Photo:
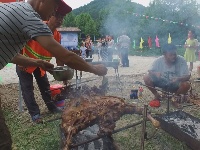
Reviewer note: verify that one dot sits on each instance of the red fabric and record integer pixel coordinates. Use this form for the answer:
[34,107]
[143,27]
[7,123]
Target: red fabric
[154,103]
[63,8]
[150,42]
[55,89]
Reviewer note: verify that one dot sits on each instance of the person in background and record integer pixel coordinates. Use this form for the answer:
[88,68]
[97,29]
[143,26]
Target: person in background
[191,45]
[33,50]
[99,44]
[22,21]
[104,49]
[124,43]
[88,45]
[111,43]
[83,50]
[168,72]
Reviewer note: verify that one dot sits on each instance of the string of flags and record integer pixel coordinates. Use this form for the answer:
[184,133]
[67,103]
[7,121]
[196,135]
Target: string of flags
[150,42]
[156,39]
[164,20]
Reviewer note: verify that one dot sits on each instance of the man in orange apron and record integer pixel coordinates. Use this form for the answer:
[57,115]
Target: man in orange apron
[34,50]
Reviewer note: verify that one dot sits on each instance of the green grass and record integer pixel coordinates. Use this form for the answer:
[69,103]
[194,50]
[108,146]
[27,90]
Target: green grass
[28,136]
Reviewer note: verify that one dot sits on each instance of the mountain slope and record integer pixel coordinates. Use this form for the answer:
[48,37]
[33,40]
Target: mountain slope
[96,6]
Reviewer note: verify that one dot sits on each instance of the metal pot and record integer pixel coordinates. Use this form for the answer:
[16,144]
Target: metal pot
[88,59]
[62,73]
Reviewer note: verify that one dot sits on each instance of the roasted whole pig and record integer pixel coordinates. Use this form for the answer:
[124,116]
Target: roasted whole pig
[83,112]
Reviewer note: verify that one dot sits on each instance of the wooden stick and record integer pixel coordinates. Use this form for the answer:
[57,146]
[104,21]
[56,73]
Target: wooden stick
[155,122]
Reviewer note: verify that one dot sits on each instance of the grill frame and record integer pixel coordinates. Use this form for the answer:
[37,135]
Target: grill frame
[176,132]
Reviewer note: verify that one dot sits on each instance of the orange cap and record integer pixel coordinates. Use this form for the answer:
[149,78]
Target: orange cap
[63,8]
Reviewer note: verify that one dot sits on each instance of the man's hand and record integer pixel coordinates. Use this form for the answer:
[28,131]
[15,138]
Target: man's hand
[66,82]
[45,65]
[24,61]
[174,79]
[100,70]
[157,74]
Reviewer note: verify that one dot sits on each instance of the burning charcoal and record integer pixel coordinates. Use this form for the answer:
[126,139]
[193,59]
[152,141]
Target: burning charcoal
[85,91]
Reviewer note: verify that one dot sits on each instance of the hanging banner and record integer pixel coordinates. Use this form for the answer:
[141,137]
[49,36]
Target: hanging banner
[150,42]
[164,20]
[169,39]
[133,44]
[157,41]
[141,43]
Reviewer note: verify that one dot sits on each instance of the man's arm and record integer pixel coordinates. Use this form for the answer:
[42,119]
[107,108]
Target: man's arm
[59,63]
[69,58]
[154,69]
[27,62]
[182,79]
[184,74]
[154,73]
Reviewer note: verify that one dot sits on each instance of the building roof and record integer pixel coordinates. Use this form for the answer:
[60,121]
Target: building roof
[69,29]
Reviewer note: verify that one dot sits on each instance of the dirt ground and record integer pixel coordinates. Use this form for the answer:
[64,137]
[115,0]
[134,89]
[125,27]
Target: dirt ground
[121,87]
[128,75]
[138,67]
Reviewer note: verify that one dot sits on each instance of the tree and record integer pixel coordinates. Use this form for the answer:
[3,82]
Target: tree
[69,20]
[90,28]
[85,22]
[171,16]
[160,18]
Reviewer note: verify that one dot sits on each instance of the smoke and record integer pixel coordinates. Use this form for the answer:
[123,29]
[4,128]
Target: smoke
[119,19]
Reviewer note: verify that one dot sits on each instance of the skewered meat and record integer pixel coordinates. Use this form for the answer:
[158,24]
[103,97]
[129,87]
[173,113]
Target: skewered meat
[83,112]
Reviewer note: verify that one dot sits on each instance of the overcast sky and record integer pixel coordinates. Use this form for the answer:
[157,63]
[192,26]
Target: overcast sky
[77,3]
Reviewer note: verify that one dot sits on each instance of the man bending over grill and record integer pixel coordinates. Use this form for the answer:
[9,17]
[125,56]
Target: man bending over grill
[168,72]
[21,22]
[33,50]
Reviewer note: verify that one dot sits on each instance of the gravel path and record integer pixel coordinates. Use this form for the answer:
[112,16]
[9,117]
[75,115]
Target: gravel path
[138,65]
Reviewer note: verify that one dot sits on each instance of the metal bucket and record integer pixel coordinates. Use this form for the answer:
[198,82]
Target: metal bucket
[62,73]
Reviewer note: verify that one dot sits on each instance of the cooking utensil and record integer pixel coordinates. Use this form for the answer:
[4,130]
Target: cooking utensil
[62,73]
[155,122]
[140,83]
[71,85]
[88,59]
[106,63]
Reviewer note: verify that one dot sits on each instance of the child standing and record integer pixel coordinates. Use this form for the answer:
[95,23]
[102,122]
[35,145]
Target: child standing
[83,50]
[191,45]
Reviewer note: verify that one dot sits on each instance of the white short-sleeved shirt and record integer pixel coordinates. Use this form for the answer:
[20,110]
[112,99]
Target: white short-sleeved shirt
[179,68]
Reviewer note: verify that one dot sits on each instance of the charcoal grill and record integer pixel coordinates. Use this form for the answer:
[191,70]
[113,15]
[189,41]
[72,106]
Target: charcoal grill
[82,140]
[182,126]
